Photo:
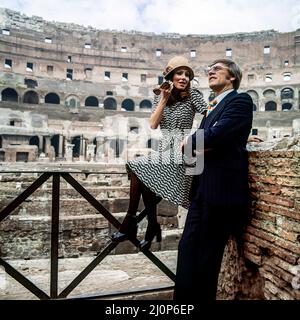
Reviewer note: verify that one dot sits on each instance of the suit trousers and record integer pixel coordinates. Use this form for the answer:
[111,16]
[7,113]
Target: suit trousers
[200,252]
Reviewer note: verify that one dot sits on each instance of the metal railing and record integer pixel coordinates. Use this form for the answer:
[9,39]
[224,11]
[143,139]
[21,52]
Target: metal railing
[56,177]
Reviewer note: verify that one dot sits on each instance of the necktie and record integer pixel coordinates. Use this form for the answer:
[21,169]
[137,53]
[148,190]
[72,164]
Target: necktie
[211,106]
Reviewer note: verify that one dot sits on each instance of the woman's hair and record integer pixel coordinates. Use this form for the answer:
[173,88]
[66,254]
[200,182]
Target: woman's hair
[178,95]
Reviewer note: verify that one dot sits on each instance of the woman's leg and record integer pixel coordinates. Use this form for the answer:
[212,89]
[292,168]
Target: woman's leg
[128,228]
[153,229]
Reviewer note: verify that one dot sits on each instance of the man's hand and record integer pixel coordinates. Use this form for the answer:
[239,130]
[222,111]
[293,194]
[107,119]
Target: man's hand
[255,139]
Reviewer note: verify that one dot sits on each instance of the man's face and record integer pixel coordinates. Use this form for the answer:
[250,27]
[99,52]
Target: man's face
[219,78]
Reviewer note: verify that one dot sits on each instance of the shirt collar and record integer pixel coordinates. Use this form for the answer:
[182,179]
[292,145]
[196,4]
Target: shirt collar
[220,97]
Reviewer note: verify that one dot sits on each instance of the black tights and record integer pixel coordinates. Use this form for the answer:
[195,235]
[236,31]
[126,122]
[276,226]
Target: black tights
[137,188]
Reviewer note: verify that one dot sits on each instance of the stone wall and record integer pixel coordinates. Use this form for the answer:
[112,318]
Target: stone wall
[26,233]
[273,235]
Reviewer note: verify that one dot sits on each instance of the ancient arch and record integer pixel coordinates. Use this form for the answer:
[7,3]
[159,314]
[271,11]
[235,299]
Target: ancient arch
[269,93]
[271,106]
[145,105]
[128,105]
[110,104]
[9,94]
[91,101]
[52,98]
[72,101]
[287,93]
[31,97]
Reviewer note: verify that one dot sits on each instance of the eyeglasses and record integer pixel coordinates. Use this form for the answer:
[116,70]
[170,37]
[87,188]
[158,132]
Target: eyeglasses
[214,69]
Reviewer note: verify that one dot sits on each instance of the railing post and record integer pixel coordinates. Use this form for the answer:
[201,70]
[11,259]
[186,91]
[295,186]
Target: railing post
[54,235]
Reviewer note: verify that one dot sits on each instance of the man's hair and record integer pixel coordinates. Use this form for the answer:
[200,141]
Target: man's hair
[234,71]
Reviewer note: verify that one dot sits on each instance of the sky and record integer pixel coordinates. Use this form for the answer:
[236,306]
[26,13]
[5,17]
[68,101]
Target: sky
[168,16]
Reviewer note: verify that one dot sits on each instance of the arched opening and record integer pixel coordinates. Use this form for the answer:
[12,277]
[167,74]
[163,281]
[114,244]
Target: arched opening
[72,102]
[153,144]
[145,105]
[270,94]
[91,102]
[271,106]
[55,143]
[31,97]
[52,98]
[287,106]
[127,105]
[110,104]
[9,94]
[76,148]
[287,93]
[117,145]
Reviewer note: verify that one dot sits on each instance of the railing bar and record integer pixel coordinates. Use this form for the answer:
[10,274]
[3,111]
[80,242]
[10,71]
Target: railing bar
[54,236]
[24,195]
[94,202]
[23,280]
[55,232]
[121,293]
[83,274]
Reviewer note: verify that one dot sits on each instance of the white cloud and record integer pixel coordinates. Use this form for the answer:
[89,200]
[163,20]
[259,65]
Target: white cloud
[185,17]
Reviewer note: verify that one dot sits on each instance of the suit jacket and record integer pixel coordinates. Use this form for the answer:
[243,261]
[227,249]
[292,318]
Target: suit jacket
[224,180]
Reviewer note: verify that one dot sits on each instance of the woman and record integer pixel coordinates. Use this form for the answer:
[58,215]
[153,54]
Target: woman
[162,174]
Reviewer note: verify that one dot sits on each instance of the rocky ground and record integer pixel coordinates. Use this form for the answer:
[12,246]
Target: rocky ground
[116,273]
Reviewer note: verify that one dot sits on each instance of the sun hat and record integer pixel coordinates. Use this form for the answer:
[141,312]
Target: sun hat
[175,63]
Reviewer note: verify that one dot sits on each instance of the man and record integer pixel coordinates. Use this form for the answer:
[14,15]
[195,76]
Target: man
[220,195]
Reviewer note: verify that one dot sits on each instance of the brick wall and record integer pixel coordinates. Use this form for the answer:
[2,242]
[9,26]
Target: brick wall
[272,238]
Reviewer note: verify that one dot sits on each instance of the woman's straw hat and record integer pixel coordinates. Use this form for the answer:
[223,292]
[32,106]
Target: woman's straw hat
[175,63]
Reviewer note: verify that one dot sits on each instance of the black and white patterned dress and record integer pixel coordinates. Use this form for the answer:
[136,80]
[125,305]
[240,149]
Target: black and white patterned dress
[163,171]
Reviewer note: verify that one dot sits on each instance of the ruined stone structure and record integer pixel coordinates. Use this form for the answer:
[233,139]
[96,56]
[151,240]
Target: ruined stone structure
[77,94]
[268,269]
[62,86]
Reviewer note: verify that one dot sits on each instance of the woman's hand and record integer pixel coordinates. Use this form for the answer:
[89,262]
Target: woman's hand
[166,89]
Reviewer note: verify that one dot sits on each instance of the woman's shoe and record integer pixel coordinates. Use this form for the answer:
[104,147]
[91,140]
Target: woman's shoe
[128,229]
[153,230]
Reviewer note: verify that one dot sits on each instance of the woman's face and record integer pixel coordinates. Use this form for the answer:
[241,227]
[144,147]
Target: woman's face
[181,78]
